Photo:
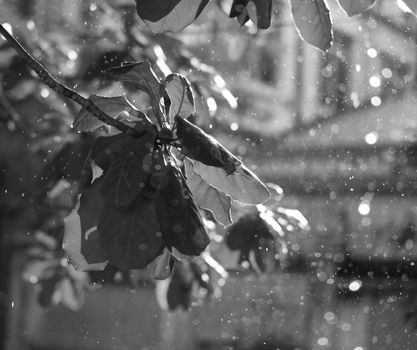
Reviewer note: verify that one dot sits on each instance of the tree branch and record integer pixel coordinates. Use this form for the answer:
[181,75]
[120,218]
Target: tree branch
[65,91]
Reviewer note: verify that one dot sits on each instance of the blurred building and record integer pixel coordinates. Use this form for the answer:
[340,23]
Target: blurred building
[337,132]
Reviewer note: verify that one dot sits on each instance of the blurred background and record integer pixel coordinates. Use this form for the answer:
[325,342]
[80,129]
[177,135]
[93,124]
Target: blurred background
[336,131]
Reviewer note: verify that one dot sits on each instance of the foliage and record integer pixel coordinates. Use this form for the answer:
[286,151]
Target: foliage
[312,18]
[141,202]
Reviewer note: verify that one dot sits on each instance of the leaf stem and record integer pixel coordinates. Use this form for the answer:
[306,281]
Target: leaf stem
[65,91]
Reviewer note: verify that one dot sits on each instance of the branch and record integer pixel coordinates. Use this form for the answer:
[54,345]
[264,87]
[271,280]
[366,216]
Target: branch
[63,90]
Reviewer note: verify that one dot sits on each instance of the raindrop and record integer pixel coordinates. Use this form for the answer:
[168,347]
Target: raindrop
[355,285]
[372,52]
[364,208]
[376,101]
[375,81]
[371,138]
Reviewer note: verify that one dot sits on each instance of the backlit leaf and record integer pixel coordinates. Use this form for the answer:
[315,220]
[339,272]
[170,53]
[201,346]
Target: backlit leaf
[411,4]
[161,267]
[243,185]
[313,22]
[208,197]
[181,96]
[198,145]
[128,171]
[169,15]
[178,215]
[131,236]
[141,77]
[86,122]
[354,7]
[81,240]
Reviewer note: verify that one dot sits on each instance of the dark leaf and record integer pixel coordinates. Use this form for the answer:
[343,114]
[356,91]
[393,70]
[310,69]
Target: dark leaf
[180,287]
[169,15]
[131,236]
[178,215]
[259,11]
[243,185]
[128,170]
[208,197]
[198,145]
[48,289]
[161,267]
[181,96]
[313,22]
[355,7]
[159,168]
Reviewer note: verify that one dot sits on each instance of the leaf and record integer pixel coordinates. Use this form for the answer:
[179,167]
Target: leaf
[91,206]
[198,145]
[159,168]
[128,170]
[71,295]
[243,185]
[112,106]
[208,197]
[181,96]
[178,215]
[261,16]
[131,236]
[313,22]
[169,15]
[38,270]
[48,289]
[161,267]
[355,7]
[141,77]
[411,4]
[81,240]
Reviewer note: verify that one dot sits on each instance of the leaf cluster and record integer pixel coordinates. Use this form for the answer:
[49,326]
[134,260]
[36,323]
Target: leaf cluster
[312,18]
[140,196]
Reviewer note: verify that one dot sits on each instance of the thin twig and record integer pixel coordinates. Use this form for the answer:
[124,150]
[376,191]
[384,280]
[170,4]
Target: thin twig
[63,90]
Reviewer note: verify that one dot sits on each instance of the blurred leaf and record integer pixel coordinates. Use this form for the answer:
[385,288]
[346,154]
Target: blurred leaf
[48,289]
[259,11]
[38,270]
[355,7]
[294,217]
[128,171]
[161,267]
[81,240]
[313,22]
[169,15]
[243,185]
[131,235]
[178,215]
[72,293]
[411,4]
[90,208]
[112,106]
[67,162]
[181,96]
[208,197]
[198,145]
